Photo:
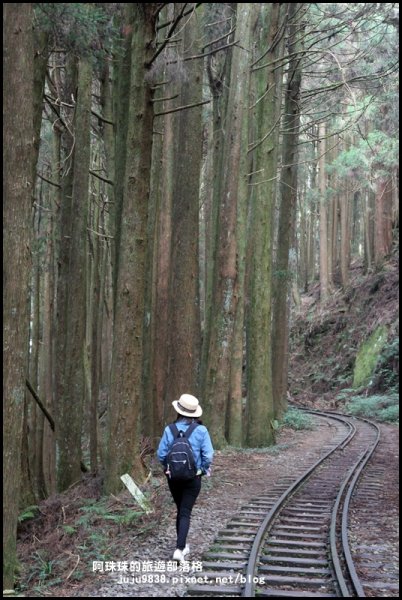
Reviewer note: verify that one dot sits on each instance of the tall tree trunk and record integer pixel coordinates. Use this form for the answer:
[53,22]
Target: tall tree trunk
[332,247]
[184,305]
[227,279]
[304,239]
[18,159]
[344,223]
[322,186]
[108,254]
[36,435]
[70,410]
[41,54]
[47,363]
[149,407]
[345,235]
[121,98]
[64,246]
[162,255]
[234,414]
[335,252]
[368,256]
[260,408]
[162,267]
[126,374]
[313,215]
[218,71]
[93,324]
[283,273]
[104,338]
[31,465]
[395,199]
[382,220]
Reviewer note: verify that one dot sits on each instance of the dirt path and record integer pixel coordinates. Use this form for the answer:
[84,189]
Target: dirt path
[237,477]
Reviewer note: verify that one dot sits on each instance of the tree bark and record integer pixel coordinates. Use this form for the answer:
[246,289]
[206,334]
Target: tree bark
[47,355]
[18,159]
[345,235]
[218,71]
[227,278]
[382,220]
[286,251]
[35,441]
[126,374]
[164,125]
[121,98]
[163,260]
[184,344]
[260,408]
[70,413]
[324,280]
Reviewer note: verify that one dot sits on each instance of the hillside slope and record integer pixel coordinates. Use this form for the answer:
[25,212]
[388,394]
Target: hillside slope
[325,340]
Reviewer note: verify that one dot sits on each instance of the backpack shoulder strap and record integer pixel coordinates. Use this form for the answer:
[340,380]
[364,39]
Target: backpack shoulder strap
[190,430]
[173,428]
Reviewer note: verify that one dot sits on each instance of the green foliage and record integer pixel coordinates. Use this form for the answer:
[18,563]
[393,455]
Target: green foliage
[346,394]
[42,572]
[101,511]
[69,530]
[376,155]
[82,28]
[386,377]
[385,149]
[297,419]
[28,513]
[379,407]
[350,163]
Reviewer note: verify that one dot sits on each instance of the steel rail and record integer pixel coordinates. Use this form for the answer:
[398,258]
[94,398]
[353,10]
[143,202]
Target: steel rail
[249,588]
[338,560]
[354,472]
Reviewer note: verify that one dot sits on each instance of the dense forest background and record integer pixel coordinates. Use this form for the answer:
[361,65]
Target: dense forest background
[176,176]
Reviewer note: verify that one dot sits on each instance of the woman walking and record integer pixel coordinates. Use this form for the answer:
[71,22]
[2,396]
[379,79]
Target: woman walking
[188,425]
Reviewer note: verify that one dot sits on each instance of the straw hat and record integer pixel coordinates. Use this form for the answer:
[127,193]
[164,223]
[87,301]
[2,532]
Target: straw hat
[188,406]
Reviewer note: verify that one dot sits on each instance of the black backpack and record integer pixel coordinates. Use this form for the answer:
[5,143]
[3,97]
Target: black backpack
[180,458]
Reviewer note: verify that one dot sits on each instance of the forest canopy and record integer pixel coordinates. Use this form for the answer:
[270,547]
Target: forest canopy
[175,176]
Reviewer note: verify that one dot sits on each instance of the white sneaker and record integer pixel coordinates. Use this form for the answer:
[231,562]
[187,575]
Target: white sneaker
[178,555]
[186,550]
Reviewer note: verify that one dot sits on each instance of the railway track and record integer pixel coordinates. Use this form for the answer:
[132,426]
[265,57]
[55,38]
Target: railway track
[293,540]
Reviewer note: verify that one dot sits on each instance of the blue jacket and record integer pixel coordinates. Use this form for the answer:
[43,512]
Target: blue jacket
[199,440]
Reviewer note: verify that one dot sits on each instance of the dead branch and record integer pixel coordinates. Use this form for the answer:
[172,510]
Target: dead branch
[40,404]
[76,565]
[48,180]
[109,181]
[98,116]
[167,38]
[166,112]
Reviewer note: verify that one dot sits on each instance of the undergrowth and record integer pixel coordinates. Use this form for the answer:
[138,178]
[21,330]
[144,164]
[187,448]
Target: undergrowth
[297,419]
[384,408]
[89,530]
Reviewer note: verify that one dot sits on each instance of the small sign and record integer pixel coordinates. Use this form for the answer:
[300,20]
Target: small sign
[136,492]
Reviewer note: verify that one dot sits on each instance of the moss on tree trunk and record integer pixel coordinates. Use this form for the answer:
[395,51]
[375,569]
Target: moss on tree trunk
[368,357]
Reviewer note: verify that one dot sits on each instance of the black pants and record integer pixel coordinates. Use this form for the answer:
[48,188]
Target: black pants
[184,494]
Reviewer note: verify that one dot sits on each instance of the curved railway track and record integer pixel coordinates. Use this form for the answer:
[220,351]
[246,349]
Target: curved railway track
[293,541]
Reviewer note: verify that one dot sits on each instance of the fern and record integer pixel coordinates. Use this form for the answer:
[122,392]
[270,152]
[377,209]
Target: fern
[380,407]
